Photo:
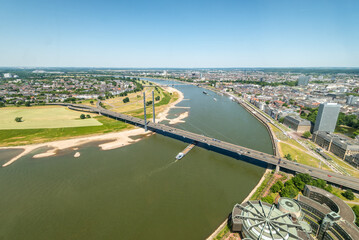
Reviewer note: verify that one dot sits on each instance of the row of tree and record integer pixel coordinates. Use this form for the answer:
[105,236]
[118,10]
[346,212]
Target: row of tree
[292,187]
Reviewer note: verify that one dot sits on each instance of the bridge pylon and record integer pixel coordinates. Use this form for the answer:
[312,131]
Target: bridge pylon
[144,110]
[153,107]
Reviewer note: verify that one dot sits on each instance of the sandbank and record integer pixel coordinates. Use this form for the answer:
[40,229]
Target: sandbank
[117,139]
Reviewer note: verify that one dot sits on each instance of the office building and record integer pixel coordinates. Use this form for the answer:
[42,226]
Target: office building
[327,117]
[350,99]
[339,145]
[303,80]
[297,123]
[261,220]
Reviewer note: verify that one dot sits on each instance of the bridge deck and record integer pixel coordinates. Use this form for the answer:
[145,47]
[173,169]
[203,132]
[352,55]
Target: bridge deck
[235,150]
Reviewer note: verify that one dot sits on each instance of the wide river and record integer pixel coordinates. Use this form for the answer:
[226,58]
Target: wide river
[138,191]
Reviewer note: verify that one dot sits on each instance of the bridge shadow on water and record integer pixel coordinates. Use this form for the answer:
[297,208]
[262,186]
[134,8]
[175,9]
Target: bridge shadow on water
[206,146]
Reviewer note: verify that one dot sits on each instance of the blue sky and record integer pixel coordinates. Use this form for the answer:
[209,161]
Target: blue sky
[158,33]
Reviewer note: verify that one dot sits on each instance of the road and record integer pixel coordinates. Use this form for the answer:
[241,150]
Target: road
[215,144]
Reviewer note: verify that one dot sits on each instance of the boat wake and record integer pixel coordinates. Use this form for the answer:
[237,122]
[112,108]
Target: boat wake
[161,168]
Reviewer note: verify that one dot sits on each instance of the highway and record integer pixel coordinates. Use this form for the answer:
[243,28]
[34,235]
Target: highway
[204,141]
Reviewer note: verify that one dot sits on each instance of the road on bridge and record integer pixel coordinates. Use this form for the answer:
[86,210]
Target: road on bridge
[334,178]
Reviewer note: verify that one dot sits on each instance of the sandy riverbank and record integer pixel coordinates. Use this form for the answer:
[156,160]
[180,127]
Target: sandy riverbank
[116,139]
[162,116]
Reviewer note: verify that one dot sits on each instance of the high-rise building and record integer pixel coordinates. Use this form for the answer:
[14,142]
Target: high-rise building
[327,117]
[303,80]
[350,99]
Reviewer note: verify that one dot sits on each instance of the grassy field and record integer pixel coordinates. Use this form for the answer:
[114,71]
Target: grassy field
[345,167]
[135,106]
[43,117]
[136,100]
[16,137]
[297,151]
[301,156]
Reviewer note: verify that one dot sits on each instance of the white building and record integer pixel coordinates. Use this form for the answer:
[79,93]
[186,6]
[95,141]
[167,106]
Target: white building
[7,75]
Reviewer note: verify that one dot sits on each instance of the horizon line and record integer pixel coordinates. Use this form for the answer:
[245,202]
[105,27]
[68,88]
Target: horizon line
[282,67]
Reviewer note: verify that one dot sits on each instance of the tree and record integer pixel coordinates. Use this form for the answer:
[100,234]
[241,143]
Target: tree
[91,102]
[298,183]
[157,98]
[18,119]
[82,116]
[269,199]
[329,188]
[281,120]
[126,100]
[289,183]
[356,212]
[289,192]
[88,116]
[320,183]
[348,194]
[288,156]
[305,177]
[277,187]
[27,104]
[307,134]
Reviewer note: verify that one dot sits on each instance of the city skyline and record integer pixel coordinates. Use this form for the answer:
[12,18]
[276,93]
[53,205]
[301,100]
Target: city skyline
[186,35]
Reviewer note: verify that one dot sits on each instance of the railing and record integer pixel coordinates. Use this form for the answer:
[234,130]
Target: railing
[235,150]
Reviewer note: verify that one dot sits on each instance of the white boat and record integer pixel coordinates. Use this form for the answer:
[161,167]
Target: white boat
[179,155]
[215,99]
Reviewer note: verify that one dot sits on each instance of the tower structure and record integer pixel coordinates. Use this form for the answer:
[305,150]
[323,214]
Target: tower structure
[144,110]
[153,107]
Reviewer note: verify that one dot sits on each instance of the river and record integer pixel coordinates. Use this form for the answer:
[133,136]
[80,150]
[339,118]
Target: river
[138,191]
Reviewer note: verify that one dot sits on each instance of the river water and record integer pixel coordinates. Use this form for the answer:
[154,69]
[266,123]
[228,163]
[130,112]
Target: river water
[138,191]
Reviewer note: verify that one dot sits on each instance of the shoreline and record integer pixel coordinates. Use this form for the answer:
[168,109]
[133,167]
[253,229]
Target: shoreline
[116,139]
[162,116]
[223,224]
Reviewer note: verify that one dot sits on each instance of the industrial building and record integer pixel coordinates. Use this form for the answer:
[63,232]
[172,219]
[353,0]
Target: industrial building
[297,123]
[317,214]
[327,117]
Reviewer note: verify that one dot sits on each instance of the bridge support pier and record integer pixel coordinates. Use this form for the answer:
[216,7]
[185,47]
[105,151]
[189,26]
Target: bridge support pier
[277,168]
[144,110]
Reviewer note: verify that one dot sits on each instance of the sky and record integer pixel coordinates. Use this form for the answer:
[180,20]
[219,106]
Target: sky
[179,34]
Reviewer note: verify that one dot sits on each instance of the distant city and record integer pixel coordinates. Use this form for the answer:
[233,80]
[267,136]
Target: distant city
[310,114]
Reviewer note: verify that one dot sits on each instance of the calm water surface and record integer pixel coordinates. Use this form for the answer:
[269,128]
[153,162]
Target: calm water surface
[138,191]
